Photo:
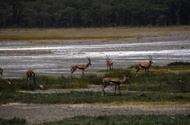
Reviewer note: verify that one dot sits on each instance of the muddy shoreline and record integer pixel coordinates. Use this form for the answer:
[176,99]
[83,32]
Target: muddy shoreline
[61,54]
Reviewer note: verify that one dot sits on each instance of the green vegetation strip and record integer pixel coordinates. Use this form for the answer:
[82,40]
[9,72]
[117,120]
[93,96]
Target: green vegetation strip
[162,85]
[112,120]
[14,121]
[125,120]
[94,97]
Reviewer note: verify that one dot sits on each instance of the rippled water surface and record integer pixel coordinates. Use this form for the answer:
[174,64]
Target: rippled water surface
[64,53]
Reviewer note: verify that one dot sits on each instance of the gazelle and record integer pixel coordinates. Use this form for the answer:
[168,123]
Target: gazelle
[1,72]
[109,63]
[30,76]
[82,67]
[144,66]
[109,81]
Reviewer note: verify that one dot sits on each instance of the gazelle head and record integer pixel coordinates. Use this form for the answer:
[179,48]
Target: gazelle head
[126,78]
[107,58]
[150,59]
[109,61]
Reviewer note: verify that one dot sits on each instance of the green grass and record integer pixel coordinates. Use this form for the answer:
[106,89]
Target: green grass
[49,83]
[126,120]
[14,121]
[179,64]
[112,120]
[94,97]
[161,85]
[162,82]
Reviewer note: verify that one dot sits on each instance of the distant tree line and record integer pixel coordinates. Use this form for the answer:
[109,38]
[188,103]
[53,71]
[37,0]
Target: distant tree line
[93,13]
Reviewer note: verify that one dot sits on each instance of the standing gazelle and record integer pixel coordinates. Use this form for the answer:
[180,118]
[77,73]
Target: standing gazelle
[109,63]
[1,72]
[30,76]
[144,66]
[82,67]
[113,82]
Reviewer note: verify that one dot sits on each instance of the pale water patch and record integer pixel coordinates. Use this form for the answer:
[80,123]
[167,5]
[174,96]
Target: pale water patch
[124,54]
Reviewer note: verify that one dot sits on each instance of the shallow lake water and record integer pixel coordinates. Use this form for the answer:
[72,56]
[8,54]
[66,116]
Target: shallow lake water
[124,53]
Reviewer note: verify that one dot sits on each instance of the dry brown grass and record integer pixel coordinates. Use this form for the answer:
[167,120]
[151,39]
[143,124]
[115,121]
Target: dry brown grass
[90,33]
[20,52]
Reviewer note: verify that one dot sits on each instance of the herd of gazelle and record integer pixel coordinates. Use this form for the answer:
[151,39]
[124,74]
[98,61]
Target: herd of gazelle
[109,81]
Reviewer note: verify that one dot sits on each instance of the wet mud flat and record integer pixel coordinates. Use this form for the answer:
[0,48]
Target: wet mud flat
[54,57]
[42,113]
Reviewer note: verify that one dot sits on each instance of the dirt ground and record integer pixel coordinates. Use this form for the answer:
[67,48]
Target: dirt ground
[41,113]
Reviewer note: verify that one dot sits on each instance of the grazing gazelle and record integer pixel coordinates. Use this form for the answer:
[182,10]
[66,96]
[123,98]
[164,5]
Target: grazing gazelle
[144,66]
[109,81]
[109,63]
[1,72]
[30,76]
[82,67]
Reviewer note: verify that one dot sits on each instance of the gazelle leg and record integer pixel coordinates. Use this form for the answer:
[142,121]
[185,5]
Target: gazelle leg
[103,90]
[73,70]
[34,80]
[115,89]
[27,79]
[119,89]
[27,82]
[137,71]
[148,72]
